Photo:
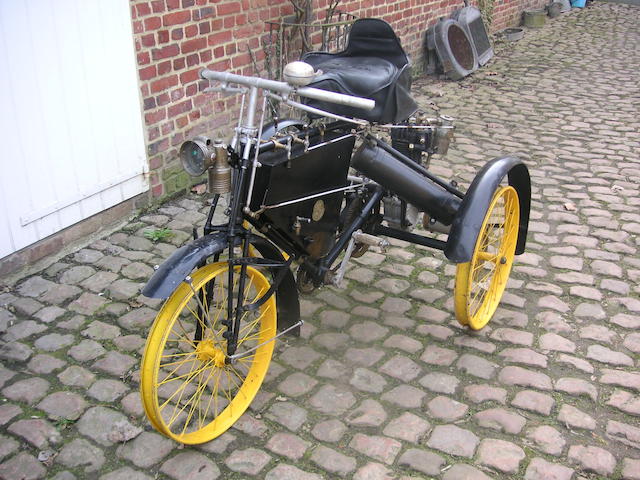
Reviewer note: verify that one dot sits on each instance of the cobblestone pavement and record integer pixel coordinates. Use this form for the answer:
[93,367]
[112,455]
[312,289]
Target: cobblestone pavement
[384,383]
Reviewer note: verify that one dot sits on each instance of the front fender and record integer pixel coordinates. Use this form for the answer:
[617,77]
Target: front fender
[181,263]
[468,221]
[184,260]
[287,301]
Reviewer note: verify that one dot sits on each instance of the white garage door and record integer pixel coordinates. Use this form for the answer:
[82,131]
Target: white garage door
[71,142]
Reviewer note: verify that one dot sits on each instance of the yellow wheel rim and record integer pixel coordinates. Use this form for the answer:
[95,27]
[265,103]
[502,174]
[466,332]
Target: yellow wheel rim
[480,282]
[189,392]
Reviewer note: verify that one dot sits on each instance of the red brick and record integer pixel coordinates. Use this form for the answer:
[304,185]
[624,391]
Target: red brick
[189,46]
[176,18]
[176,95]
[241,60]
[165,52]
[243,32]
[143,58]
[222,65]
[177,139]
[154,117]
[157,190]
[182,121]
[177,34]
[148,72]
[163,99]
[143,9]
[204,28]
[191,90]
[159,146]
[157,6]
[137,26]
[189,76]
[154,164]
[179,63]
[173,4]
[164,67]
[164,83]
[152,133]
[219,38]
[188,3]
[229,22]
[206,56]
[203,13]
[229,8]
[148,40]
[149,103]
[241,19]
[191,31]
[192,60]
[166,129]
[152,23]
[163,36]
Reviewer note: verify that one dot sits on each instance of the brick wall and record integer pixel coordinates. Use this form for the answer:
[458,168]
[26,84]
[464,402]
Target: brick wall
[174,39]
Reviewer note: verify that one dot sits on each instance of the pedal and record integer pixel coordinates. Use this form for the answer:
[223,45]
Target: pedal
[371,240]
[358,238]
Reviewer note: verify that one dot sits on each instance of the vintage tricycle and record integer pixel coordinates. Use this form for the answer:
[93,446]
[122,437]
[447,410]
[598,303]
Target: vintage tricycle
[311,193]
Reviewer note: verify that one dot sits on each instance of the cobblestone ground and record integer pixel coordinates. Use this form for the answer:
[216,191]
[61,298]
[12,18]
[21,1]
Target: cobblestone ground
[384,383]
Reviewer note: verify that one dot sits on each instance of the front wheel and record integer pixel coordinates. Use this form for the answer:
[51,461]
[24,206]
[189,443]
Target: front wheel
[480,282]
[190,390]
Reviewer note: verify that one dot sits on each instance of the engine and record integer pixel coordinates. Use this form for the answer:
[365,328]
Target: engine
[418,139]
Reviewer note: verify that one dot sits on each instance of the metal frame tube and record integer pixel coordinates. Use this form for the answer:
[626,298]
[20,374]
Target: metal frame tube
[285,88]
[344,239]
[409,237]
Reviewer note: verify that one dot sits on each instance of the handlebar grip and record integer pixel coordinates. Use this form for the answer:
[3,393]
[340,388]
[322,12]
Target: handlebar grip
[282,87]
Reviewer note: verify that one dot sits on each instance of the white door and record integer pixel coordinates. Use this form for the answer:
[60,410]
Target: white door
[70,122]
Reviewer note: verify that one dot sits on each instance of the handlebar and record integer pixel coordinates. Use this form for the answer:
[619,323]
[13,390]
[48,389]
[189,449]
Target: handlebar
[285,88]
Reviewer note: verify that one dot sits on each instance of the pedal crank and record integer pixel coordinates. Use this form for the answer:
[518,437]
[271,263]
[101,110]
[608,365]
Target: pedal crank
[357,240]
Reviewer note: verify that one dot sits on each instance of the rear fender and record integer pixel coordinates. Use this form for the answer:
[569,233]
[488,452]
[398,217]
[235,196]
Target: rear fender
[184,260]
[468,221]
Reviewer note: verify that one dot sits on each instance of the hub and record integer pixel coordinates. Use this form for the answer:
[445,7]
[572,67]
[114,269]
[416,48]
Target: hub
[207,351]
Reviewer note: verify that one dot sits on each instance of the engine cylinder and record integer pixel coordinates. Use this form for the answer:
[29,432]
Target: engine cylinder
[405,182]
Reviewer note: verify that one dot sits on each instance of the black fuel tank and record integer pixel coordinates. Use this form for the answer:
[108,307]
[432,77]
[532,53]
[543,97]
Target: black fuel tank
[311,223]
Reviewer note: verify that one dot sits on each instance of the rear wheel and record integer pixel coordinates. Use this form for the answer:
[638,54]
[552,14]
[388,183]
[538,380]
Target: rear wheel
[190,391]
[480,282]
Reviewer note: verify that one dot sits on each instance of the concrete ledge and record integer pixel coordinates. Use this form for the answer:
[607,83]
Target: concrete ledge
[48,250]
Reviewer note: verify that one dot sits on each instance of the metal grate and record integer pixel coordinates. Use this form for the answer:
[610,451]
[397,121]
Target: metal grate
[287,41]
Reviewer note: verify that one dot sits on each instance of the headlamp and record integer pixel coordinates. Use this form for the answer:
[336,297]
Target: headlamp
[197,155]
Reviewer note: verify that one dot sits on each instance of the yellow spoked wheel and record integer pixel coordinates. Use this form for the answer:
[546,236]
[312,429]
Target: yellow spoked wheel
[190,391]
[480,282]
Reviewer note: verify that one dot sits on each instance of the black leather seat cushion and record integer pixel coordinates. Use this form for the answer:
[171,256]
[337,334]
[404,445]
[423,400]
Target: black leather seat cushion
[373,65]
[360,76]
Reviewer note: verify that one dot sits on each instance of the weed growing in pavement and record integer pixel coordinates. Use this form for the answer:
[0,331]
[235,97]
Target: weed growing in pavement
[158,234]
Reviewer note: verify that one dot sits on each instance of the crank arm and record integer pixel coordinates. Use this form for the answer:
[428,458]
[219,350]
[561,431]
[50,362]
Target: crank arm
[237,356]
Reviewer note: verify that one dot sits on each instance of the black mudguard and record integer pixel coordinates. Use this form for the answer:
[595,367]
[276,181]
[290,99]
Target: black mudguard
[181,263]
[184,260]
[466,226]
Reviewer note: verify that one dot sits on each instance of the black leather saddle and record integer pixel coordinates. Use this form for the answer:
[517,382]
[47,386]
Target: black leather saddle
[373,65]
